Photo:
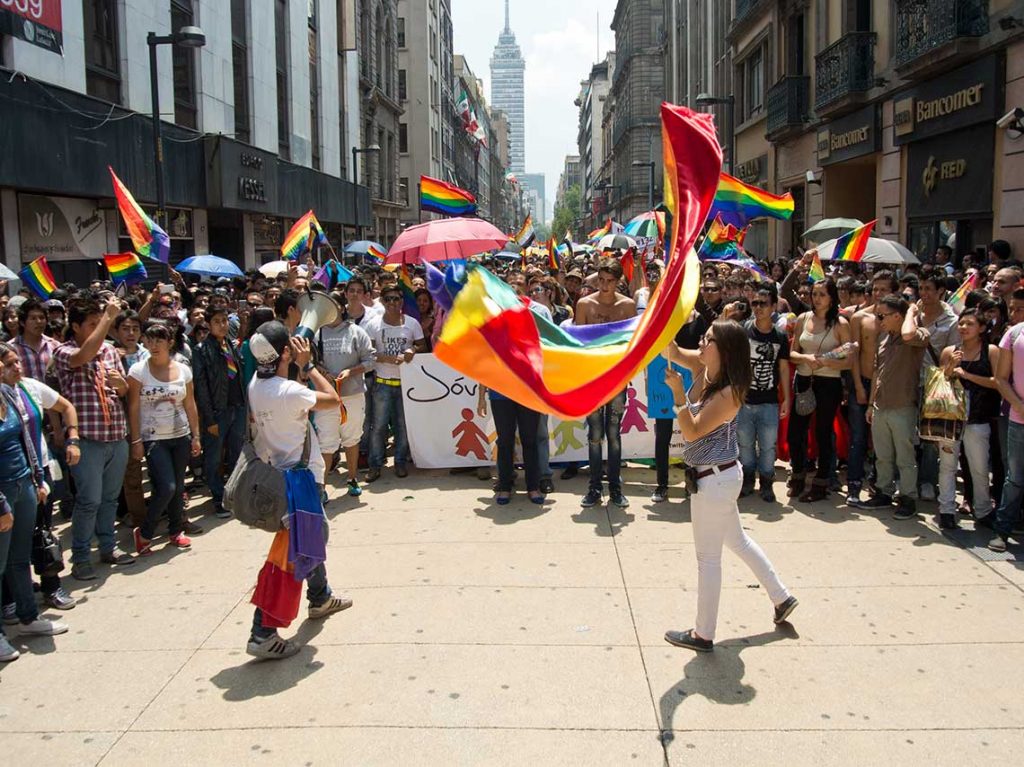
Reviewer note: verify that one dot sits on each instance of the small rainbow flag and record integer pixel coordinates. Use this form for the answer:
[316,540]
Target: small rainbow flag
[447,199]
[554,262]
[958,298]
[304,234]
[526,235]
[148,238]
[723,241]
[597,234]
[375,256]
[38,276]
[851,246]
[737,203]
[817,271]
[124,267]
[409,305]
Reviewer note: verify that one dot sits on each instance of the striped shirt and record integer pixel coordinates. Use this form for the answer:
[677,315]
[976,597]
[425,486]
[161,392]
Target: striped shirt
[715,448]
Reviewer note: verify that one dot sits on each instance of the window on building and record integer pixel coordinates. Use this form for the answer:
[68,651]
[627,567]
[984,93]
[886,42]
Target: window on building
[382,165]
[403,189]
[102,66]
[378,45]
[182,15]
[403,138]
[281,46]
[750,74]
[389,168]
[389,60]
[401,32]
[240,67]
[402,95]
[314,85]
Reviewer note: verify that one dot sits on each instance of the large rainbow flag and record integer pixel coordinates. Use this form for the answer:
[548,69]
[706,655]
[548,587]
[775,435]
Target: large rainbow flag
[148,238]
[302,237]
[38,276]
[851,246]
[738,203]
[491,336]
[447,199]
[124,267]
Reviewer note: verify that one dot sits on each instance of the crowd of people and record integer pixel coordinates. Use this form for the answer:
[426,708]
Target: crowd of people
[103,388]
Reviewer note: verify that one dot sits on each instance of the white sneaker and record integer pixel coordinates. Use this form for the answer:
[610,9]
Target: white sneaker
[272,648]
[7,652]
[927,492]
[43,627]
[331,606]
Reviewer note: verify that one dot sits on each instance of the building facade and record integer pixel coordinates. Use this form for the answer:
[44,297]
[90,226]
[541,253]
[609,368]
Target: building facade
[255,141]
[508,92]
[592,102]
[533,191]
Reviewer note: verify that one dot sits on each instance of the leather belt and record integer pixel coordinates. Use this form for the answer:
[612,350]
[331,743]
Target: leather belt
[715,469]
[396,382]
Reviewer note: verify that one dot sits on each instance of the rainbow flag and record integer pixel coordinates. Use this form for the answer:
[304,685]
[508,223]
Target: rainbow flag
[446,199]
[817,271]
[148,238]
[124,267]
[492,337]
[957,299]
[409,305]
[526,235]
[375,256]
[738,203]
[554,262]
[722,242]
[851,246]
[304,234]
[597,234]
[38,276]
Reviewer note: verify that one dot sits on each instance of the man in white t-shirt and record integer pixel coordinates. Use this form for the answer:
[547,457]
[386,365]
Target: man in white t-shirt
[396,338]
[280,410]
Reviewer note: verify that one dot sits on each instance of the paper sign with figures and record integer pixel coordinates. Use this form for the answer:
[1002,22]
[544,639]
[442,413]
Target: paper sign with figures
[445,430]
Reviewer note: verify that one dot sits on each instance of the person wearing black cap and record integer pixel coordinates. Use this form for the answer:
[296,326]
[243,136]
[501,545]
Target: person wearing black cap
[280,408]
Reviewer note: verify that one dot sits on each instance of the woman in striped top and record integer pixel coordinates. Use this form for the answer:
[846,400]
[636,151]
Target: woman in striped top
[707,421]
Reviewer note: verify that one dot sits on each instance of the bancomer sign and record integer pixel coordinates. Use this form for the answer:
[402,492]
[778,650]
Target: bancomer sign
[852,136]
[964,97]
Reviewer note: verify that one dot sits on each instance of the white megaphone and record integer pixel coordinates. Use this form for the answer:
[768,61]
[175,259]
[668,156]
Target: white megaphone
[317,309]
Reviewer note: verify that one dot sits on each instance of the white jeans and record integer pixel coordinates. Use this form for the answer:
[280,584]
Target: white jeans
[976,443]
[716,521]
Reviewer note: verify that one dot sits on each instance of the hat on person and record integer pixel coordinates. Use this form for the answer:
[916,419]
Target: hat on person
[575,273]
[16,301]
[267,345]
[54,303]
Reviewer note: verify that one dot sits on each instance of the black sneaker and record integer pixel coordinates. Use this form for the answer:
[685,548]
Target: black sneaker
[547,486]
[782,611]
[747,488]
[569,472]
[988,521]
[876,502]
[592,498]
[947,521]
[689,640]
[618,498]
[906,508]
[767,489]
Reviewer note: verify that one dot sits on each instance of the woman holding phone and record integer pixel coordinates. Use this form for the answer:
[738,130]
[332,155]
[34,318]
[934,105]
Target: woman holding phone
[707,418]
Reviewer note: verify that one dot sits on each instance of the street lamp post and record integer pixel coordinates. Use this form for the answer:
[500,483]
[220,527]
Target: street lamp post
[186,37]
[356,151]
[706,99]
[650,181]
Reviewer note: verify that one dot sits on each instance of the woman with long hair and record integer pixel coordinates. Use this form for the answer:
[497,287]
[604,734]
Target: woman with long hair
[818,334]
[707,417]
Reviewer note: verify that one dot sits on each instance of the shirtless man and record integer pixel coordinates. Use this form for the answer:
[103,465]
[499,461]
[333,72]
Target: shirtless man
[607,305]
[864,330]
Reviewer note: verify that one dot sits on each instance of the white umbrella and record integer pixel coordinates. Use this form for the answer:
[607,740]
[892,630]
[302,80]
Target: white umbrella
[616,242]
[879,251]
[274,268]
[830,228]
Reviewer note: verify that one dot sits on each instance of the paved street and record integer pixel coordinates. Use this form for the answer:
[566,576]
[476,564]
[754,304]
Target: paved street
[519,635]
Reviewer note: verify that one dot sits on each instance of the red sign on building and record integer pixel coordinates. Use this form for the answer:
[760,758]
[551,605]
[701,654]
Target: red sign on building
[38,22]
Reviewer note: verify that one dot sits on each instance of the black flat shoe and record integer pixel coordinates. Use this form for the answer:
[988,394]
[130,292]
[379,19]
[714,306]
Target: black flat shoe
[689,640]
[783,611]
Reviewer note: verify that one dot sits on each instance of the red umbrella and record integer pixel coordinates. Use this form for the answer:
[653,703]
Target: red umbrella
[445,239]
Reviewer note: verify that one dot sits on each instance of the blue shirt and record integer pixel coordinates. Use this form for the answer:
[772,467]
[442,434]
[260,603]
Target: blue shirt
[13,462]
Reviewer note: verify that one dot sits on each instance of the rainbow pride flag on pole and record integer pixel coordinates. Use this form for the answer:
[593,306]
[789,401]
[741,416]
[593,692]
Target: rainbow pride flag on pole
[817,271]
[554,262]
[447,199]
[409,306]
[958,298]
[723,241]
[738,203]
[375,256]
[148,239]
[302,237]
[526,234]
[38,276]
[851,246]
[600,232]
[124,267]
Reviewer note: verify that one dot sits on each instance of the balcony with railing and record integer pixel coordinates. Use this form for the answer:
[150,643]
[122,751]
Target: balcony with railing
[935,33]
[844,73]
[788,106]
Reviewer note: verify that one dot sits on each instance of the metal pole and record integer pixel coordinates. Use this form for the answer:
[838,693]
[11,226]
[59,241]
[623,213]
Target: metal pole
[650,188]
[158,152]
[355,167]
[732,135]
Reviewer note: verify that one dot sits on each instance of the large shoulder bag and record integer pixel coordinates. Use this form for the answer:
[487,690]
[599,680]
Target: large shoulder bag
[943,406]
[256,492]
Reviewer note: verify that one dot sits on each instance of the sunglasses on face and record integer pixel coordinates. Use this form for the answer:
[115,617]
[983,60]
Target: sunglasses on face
[755,303]
[537,290]
[391,299]
[711,289]
[881,317]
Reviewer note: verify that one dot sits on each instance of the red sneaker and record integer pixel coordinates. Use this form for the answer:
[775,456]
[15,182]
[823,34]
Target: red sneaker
[181,540]
[143,547]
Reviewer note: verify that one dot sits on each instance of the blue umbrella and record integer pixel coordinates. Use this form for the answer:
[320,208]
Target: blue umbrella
[507,255]
[368,249]
[210,266]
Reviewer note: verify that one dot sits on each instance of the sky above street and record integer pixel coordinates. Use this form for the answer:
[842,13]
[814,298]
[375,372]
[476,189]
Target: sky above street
[559,40]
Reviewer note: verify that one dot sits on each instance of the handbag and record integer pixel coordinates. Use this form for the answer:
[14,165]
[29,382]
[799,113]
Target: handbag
[944,398]
[804,403]
[47,556]
[256,492]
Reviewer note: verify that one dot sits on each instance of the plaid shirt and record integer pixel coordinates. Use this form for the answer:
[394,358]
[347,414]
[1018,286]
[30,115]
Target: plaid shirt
[99,418]
[34,364]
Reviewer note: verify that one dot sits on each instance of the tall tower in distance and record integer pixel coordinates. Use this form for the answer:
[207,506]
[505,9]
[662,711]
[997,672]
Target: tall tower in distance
[507,92]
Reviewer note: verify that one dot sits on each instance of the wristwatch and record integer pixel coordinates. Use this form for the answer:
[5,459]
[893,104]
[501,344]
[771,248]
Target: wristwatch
[307,367]
[71,441]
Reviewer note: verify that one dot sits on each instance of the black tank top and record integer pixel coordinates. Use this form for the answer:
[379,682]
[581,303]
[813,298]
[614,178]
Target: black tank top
[982,402]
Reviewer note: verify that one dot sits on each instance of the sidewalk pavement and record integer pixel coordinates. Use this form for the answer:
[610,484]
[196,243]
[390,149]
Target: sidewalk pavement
[525,635]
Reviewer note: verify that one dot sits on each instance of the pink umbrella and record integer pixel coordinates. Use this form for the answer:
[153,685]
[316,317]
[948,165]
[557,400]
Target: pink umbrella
[445,239]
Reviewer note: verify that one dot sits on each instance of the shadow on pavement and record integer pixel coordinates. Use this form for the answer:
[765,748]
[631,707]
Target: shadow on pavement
[519,509]
[718,676]
[608,520]
[265,678]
